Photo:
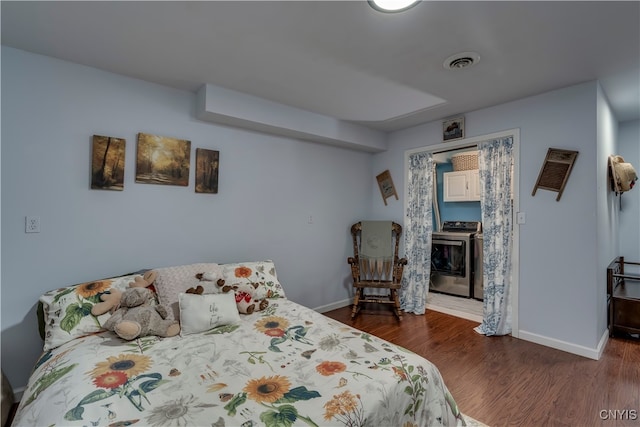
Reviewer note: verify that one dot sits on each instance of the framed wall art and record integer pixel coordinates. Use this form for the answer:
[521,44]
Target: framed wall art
[107,163]
[453,129]
[207,165]
[387,189]
[162,160]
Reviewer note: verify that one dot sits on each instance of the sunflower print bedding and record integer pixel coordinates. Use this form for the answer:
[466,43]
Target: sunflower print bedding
[285,366]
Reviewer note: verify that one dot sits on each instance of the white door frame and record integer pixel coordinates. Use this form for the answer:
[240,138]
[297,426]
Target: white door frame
[466,142]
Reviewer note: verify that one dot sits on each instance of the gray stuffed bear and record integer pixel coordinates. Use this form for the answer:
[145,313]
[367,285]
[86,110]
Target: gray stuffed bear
[134,316]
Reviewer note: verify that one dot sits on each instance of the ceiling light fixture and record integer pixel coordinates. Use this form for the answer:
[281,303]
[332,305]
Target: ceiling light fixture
[390,6]
[461,60]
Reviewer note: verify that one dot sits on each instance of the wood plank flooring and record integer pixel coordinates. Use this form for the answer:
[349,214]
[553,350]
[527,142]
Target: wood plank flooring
[504,381]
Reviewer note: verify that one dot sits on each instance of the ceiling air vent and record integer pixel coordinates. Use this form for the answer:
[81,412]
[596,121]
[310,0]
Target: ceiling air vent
[461,60]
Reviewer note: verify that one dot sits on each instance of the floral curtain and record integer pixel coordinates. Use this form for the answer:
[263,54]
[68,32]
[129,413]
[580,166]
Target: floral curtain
[417,237]
[495,162]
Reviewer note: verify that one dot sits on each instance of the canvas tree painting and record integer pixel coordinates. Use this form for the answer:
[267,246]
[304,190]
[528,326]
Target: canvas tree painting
[107,163]
[162,160]
[207,164]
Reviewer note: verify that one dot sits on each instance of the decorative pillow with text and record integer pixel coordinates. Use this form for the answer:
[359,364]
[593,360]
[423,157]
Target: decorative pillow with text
[200,313]
[172,281]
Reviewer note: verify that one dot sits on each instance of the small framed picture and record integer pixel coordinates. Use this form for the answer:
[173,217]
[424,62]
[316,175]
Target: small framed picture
[207,165]
[453,129]
[387,189]
[107,163]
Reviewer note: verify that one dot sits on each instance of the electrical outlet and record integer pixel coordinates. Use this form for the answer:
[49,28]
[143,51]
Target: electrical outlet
[32,224]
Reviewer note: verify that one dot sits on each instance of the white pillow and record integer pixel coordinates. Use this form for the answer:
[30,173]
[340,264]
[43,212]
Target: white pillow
[199,313]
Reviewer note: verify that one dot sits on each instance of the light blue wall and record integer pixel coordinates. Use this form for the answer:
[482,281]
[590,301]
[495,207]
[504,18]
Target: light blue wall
[629,148]
[561,279]
[269,186]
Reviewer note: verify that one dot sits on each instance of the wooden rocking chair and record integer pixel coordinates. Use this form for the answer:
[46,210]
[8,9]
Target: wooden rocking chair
[376,275]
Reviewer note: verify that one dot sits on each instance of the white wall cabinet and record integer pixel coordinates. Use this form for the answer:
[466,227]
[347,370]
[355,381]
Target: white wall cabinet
[461,186]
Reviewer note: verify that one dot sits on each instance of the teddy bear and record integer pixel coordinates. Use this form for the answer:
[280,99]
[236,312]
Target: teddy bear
[133,315]
[211,281]
[144,281]
[248,297]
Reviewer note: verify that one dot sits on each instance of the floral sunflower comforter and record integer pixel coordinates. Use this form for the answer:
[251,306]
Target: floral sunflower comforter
[285,366]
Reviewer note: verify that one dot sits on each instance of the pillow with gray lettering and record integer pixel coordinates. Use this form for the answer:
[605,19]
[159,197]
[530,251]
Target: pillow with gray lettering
[200,313]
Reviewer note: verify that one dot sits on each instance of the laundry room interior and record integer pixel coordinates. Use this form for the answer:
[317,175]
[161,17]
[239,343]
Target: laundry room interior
[456,261]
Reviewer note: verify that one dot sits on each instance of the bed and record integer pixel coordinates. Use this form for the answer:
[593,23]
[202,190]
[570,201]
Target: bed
[286,365]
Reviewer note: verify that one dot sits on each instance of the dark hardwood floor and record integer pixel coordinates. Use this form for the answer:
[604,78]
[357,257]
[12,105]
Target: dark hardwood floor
[504,381]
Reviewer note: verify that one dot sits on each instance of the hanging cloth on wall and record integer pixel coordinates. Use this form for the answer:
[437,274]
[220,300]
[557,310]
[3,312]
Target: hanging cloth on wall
[376,251]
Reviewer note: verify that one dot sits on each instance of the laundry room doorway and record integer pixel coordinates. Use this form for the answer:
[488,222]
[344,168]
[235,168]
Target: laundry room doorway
[467,210]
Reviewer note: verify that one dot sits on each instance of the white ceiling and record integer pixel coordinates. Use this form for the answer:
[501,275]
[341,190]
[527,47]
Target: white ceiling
[343,58]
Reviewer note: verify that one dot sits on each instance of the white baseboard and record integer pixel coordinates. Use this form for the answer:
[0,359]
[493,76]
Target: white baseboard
[591,353]
[334,305]
[603,343]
